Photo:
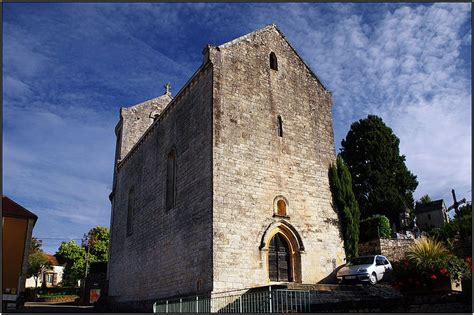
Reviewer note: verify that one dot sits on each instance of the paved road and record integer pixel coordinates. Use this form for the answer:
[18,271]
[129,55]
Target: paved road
[42,307]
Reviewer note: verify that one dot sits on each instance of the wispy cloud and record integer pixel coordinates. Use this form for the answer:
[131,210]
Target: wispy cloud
[408,64]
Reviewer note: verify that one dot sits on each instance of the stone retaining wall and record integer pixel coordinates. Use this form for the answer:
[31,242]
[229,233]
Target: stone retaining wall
[393,249]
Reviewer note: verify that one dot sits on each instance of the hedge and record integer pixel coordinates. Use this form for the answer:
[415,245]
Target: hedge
[56,291]
[368,228]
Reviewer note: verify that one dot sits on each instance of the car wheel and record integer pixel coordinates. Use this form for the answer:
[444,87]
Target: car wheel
[373,278]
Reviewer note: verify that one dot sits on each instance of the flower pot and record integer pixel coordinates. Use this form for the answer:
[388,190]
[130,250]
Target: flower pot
[445,284]
[456,285]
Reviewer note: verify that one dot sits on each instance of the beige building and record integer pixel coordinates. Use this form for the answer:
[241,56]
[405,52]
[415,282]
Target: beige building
[50,278]
[431,215]
[225,186]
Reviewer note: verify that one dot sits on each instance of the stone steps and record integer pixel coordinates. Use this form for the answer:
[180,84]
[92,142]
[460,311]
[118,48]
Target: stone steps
[345,298]
[323,287]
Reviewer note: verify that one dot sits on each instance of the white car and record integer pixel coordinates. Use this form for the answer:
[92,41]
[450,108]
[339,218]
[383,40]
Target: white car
[366,268]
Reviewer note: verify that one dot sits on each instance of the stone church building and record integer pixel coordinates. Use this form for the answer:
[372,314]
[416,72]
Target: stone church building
[225,186]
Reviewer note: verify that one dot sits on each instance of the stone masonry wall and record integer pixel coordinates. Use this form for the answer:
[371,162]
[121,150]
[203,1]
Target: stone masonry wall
[252,164]
[169,250]
[393,249]
[136,120]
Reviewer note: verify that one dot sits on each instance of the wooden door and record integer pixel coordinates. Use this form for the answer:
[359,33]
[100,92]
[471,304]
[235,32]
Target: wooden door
[279,262]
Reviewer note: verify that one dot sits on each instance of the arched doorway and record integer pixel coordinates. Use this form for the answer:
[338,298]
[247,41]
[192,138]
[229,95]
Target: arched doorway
[279,259]
[282,246]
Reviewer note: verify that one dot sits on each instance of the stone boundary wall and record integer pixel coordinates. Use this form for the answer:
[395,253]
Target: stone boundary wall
[393,249]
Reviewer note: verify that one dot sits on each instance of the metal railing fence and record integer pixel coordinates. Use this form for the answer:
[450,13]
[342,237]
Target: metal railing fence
[270,301]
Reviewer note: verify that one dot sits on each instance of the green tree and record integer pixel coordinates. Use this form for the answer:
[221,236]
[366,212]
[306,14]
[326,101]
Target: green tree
[73,256]
[425,199]
[344,199]
[459,227]
[38,263]
[96,249]
[381,182]
[99,243]
[463,220]
[35,245]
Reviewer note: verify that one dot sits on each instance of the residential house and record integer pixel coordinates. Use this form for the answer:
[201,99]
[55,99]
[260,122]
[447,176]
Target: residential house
[49,278]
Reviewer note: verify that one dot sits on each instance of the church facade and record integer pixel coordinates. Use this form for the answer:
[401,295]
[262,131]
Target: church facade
[225,186]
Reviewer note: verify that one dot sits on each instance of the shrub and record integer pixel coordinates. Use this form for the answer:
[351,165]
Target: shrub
[461,226]
[368,227]
[58,291]
[428,261]
[426,249]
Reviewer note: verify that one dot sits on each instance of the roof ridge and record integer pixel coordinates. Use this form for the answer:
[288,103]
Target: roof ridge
[245,36]
[148,100]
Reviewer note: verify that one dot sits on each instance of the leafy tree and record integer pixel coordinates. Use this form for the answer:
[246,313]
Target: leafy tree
[344,199]
[463,220]
[99,243]
[38,263]
[381,182]
[425,199]
[73,256]
[35,245]
[459,227]
[96,249]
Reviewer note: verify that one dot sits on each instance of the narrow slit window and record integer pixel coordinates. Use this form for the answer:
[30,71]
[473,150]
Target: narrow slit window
[273,61]
[130,211]
[118,145]
[171,180]
[280,126]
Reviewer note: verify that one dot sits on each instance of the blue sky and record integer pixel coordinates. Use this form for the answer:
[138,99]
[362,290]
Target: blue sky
[68,68]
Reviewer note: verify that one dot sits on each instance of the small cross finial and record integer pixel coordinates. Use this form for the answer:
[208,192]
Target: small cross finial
[168,88]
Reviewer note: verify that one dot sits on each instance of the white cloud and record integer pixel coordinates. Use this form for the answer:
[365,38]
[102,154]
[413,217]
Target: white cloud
[406,66]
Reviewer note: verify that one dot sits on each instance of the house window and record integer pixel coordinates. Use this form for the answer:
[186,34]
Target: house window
[130,210]
[429,216]
[49,278]
[273,61]
[171,180]
[280,126]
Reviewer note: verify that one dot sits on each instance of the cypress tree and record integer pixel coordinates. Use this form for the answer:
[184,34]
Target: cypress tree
[347,206]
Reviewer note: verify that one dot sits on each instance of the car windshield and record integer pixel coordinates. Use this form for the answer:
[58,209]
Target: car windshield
[361,261]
